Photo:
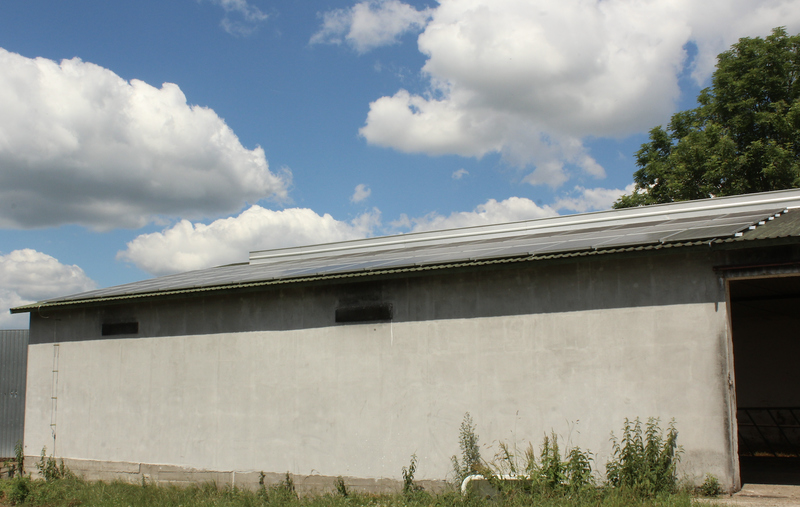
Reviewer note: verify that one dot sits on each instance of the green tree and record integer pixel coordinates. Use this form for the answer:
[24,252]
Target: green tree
[744,137]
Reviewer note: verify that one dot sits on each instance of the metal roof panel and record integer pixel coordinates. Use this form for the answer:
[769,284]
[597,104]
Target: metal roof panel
[710,219]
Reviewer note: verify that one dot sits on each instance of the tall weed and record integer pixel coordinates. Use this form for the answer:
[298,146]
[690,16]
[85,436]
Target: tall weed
[470,451]
[19,460]
[579,469]
[50,469]
[645,462]
[409,486]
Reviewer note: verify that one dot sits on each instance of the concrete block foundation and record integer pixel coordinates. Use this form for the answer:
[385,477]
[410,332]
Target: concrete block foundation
[138,473]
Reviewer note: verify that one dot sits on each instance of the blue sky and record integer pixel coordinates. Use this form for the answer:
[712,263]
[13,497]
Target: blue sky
[144,138]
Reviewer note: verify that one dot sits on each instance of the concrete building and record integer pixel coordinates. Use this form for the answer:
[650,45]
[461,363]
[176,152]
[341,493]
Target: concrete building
[345,359]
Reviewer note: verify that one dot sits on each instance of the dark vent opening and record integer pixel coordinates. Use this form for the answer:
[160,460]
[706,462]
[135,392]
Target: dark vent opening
[120,328]
[369,313]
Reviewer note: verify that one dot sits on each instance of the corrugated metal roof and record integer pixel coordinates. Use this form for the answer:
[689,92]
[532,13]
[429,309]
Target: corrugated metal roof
[13,369]
[676,224]
[787,226]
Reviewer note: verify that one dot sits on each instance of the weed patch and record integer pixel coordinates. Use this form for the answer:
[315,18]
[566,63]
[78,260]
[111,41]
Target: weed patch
[341,487]
[645,463]
[49,469]
[710,487]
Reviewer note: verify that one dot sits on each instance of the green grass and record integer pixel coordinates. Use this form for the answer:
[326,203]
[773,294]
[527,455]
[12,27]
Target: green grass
[72,492]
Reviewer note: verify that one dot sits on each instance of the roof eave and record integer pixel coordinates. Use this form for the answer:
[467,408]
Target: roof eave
[351,275]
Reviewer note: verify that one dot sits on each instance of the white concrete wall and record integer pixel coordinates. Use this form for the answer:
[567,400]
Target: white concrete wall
[359,400]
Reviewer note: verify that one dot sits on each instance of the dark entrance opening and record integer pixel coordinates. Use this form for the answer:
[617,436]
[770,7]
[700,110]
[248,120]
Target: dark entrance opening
[765,319]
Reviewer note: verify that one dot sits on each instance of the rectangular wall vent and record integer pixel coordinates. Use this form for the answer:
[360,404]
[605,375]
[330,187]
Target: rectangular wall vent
[365,313]
[120,328]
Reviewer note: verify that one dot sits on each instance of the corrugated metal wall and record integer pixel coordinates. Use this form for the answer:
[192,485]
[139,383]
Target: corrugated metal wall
[13,369]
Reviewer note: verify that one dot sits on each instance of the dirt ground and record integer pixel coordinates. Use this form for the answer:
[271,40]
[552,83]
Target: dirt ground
[761,495]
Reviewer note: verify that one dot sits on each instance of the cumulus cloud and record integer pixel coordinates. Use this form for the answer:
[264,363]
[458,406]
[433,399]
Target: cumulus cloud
[583,199]
[531,80]
[79,144]
[186,246]
[370,24]
[362,192]
[491,212]
[240,18]
[27,276]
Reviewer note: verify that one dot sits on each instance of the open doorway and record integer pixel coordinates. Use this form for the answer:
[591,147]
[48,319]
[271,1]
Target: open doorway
[765,320]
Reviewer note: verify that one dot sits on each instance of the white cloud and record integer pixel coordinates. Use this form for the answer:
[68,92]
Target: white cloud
[187,246]
[591,199]
[11,299]
[370,24]
[362,192]
[240,18]
[27,276]
[457,175]
[718,24]
[531,80]
[512,209]
[79,144]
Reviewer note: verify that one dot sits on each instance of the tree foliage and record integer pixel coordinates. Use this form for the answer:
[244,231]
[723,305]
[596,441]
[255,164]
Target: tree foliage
[744,136]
